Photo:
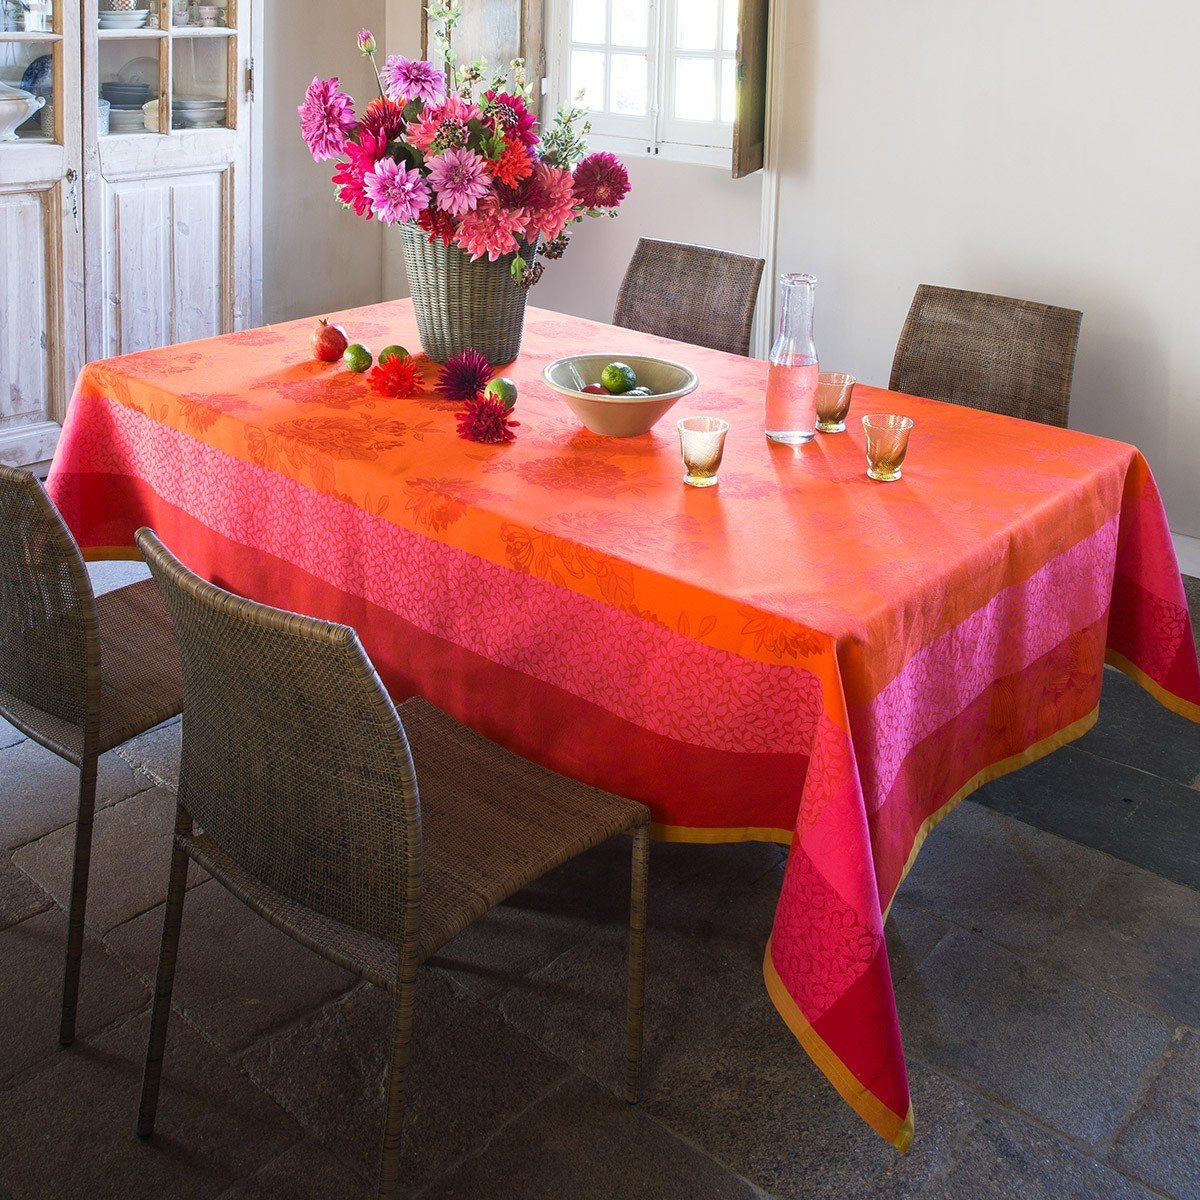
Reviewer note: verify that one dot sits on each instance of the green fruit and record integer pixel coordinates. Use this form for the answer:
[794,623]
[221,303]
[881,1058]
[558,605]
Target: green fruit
[502,389]
[639,391]
[357,358]
[618,378]
[390,352]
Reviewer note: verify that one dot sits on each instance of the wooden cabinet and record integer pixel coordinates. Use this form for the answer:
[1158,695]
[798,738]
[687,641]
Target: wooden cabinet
[122,230]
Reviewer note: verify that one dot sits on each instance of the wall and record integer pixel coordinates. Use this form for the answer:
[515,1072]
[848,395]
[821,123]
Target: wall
[1039,148]
[668,200]
[316,257]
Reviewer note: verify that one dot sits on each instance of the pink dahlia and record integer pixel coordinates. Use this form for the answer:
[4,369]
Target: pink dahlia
[491,229]
[350,177]
[460,178]
[601,181]
[409,79]
[511,114]
[446,124]
[366,42]
[548,197]
[326,117]
[396,193]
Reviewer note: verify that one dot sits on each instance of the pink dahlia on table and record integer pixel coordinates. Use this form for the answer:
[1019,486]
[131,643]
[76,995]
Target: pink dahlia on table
[396,193]
[548,197]
[350,178]
[460,179]
[601,181]
[491,230]
[326,118]
[445,125]
[409,79]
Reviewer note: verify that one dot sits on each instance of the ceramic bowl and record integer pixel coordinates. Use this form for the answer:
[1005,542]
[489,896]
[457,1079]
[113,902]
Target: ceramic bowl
[620,416]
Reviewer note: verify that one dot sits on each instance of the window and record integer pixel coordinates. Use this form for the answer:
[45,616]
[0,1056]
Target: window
[659,76]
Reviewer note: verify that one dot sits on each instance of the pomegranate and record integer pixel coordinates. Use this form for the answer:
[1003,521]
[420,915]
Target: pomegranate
[329,342]
[597,389]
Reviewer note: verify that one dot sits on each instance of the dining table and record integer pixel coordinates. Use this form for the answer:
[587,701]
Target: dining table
[798,654]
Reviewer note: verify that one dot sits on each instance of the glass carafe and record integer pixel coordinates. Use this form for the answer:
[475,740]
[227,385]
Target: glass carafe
[792,379]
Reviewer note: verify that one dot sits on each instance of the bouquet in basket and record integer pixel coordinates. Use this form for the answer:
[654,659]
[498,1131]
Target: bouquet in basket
[458,151]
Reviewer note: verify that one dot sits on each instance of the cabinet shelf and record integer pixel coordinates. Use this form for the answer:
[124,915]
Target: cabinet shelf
[17,37]
[130,35]
[202,31]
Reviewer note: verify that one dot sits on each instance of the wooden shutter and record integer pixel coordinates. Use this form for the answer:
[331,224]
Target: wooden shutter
[750,124]
[500,30]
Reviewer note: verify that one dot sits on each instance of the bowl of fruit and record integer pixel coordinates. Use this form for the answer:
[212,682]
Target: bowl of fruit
[619,397]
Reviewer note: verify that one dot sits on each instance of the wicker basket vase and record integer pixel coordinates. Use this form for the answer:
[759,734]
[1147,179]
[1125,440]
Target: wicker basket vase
[464,305]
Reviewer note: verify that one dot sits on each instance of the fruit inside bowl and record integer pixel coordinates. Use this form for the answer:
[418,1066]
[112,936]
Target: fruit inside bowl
[619,395]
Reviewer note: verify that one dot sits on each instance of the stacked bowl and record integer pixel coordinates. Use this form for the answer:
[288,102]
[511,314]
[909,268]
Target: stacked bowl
[131,19]
[127,100]
[198,112]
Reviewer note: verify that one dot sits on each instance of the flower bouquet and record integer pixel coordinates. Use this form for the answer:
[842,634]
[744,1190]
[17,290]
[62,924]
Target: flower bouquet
[455,158]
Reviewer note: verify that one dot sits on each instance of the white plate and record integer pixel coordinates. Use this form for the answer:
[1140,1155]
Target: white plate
[140,70]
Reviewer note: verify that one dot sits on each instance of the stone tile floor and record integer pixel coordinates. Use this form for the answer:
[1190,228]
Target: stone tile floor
[1049,991]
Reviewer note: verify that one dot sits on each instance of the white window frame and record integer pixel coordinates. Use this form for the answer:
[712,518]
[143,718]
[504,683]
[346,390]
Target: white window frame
[658,134]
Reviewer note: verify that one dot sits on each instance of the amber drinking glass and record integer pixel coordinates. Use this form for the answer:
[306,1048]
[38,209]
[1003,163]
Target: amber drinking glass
[834,391]
[702,441]
[887,444]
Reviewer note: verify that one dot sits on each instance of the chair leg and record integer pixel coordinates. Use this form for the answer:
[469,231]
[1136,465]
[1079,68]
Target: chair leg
[78,904]
[164,985]
[389,1166]
[637,959]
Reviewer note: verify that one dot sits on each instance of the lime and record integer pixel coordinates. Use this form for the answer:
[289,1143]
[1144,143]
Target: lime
[639,391]
[390,352]
[618,378]
[503,389]
[357,358]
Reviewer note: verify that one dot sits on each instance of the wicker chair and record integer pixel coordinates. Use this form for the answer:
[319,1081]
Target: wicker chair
[303,777]
[78,674]
[690,293]
[1006,356]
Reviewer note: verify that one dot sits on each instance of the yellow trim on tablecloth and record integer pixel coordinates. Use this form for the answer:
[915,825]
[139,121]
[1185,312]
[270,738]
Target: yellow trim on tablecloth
[889,1125]
[1177,704]
[747,833]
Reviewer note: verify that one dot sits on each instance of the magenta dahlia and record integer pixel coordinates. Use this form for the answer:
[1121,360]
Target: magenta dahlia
[486,420]
[396,193]
[409,79]
[464,376]
[513,117]
[326,118]
[350,177]
[460,178]
[601,181]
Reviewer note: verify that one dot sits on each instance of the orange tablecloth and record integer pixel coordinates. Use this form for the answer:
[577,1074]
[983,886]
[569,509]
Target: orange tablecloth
[798,654]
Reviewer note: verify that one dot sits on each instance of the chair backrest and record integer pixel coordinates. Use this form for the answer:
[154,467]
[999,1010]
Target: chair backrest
[49,633]
[294,762]
[1007,356]
[690,293]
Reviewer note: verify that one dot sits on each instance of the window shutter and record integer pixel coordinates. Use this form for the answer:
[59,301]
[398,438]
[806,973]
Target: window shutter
[500,30]
[750,123]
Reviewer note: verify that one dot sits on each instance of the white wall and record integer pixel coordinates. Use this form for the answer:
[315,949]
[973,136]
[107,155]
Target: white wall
[667,200]
[316,257]
[1039,148]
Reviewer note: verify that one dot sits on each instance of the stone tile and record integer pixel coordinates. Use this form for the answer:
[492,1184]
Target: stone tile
[31,990]
[306,1171]
[108,576]
[237,976]
[1006,1157]
[911,934]
[1031,1036]
[1161,1144]
[468,1076]
[131,859]
[41,791]
[1022,883]
[1136,730]
[1191,586]
[1138,935]
[156,752]
[9,736]
[69,1130]
[581,1142]
[1133,816]
[20,897]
